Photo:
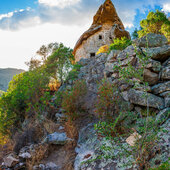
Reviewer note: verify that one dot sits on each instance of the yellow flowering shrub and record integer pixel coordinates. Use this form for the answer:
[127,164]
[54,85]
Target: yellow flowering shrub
[103,49]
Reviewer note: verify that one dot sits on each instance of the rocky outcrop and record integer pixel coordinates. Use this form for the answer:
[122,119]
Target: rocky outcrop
[106,26]
[151,40]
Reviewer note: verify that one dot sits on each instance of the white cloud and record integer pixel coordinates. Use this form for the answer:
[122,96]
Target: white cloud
[59,3]
[166,7]
[17,47]
[8,15]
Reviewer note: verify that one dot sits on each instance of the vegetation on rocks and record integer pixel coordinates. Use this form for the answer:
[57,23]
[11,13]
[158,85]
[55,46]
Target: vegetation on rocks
[156,22]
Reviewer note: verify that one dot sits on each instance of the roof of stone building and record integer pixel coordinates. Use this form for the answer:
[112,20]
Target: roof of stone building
[106,14]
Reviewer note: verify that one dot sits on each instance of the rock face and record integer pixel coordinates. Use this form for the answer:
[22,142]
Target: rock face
[152,40]
[106,26]
[137,97]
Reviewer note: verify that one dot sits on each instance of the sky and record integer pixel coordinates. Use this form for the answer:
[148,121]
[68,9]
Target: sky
[25,25]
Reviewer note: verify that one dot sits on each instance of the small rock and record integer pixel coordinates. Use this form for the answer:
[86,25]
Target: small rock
[150,77]
[133,138]
[25,155]
[57,138]
[52,166]
[10,161]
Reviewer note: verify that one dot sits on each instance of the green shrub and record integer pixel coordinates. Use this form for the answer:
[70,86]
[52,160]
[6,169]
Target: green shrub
[72,100]
[108,100]
[73,74]
[163,166]
[120,44]
[25,90]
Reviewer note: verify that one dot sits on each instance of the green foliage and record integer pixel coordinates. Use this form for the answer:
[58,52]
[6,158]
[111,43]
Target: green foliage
[120,44]
[135,34]
[163,166]
[25,90]
[72,99]
[107,100]
[156,22]
[60,63]
[73,74]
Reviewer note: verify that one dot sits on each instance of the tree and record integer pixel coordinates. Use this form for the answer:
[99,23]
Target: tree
[156,22]
[45,51]
[135,34]
[60,63]
[33,64]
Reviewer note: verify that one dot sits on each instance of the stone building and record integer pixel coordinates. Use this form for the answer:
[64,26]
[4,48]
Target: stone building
[105,28]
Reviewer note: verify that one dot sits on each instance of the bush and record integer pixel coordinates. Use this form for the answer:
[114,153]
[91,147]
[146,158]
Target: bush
[103,49]
[72,100]
[73,74]
[156,22]
[25,91]
[108,100]
[120,44]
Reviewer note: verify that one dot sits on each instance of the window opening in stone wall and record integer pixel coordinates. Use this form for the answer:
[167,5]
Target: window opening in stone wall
[92,54]
[100,37]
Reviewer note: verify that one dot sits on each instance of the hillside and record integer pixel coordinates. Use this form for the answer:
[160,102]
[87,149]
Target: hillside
[6,76]
[109,110]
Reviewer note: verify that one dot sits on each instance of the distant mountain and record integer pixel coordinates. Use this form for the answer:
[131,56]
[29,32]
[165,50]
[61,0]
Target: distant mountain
[6,76]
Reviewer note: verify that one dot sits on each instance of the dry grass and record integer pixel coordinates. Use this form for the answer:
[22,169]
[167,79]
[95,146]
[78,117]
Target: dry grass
[6,149]
[38,154]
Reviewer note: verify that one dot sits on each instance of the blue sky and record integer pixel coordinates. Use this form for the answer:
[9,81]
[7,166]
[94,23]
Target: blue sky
[27,24]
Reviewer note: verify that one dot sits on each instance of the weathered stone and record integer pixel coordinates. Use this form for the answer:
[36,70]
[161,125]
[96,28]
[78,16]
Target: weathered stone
[141,87]
[165,94]
[158,53]
[130,51]
[57,138]
[165,73]
[25,155]
[151,40]
[167,101]
[52,166]
[160,88]
[163,115]
[112,56]
[131,140]
[150,77]
[106,26]
[145,99]
[154,65]
[10,161]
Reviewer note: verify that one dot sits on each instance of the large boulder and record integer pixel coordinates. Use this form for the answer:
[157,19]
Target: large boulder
[161,87]
[158,53]
[150,77]
[151,40]
[143,99]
